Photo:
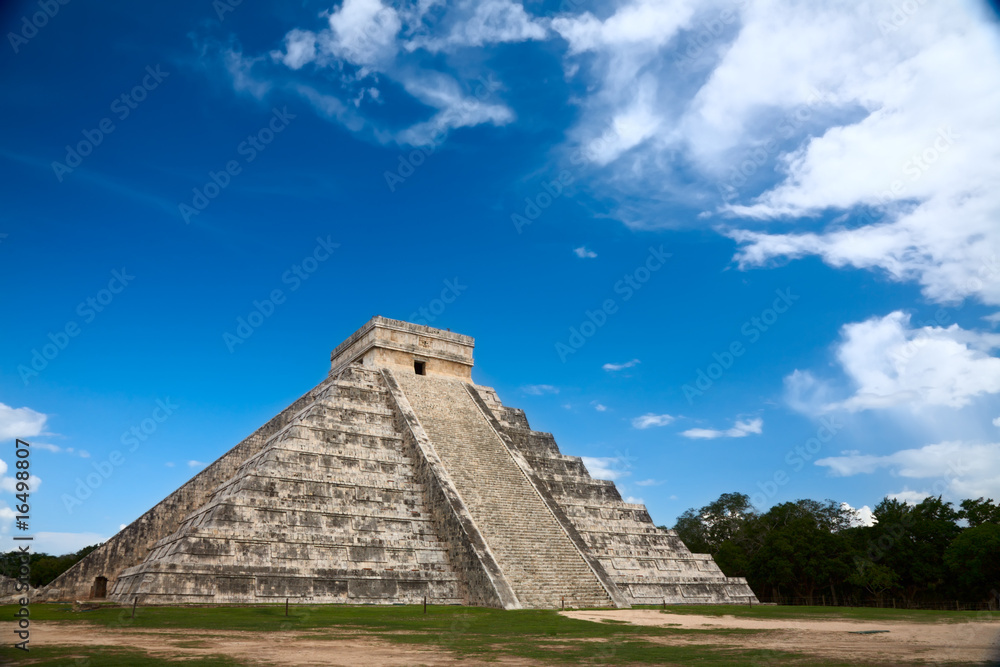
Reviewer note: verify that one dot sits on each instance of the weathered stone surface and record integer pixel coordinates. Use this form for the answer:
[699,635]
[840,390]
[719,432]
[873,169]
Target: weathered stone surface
[393,480]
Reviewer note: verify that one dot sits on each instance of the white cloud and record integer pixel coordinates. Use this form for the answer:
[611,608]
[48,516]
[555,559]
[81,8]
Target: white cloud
[361,32]
[196,464]
[489,22]
[862,516]
[648,482]
[20,422]
[958,469]
[908,496]
[992,318]
[824,108]
[362,45]
[9,484]
[649,420]
[635,501]
[926,160]
[539,389]
[739,430]
[996,421]
[169,464]
[620,367]
[583,253]
[644,24]
[607,467]
[599,406]
[891,363]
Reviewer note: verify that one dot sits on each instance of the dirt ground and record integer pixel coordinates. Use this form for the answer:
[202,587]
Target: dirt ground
[905,641]
[831,639]
[301,648]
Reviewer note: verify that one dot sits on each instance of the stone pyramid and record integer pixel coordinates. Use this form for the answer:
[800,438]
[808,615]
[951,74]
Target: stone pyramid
[394,480]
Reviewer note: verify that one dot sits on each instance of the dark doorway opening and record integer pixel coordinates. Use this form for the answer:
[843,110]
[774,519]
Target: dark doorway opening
[101,587]
[420,367]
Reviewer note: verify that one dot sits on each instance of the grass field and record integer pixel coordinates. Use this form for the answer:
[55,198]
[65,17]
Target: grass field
[475,634]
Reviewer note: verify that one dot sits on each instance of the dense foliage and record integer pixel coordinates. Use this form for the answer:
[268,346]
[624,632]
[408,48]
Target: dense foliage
[805,551]
[44,568]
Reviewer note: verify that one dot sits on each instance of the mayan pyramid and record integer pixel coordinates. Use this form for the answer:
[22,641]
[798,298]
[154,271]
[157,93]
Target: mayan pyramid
[393,480]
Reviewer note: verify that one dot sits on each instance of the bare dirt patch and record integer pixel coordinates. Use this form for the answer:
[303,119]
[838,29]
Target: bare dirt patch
[251,648]
[904,641]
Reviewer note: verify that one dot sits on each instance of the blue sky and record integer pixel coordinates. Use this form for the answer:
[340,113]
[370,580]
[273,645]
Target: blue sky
[808,186]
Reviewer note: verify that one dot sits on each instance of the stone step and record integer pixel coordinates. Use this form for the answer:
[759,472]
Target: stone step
[538,559]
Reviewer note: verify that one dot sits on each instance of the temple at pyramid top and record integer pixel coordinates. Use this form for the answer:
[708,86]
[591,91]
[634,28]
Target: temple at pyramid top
[397,479]
[415,348]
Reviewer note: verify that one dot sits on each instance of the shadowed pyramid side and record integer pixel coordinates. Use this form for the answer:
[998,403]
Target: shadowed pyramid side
[327,511]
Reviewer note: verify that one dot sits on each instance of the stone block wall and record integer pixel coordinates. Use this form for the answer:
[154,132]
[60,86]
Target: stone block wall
[131,545]
[330,510]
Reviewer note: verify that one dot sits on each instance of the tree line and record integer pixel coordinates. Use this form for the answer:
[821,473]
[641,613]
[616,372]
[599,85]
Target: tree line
[44,567]
[809,551]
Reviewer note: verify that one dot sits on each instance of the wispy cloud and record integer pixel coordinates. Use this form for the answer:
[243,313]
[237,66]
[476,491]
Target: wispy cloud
[600,407]
[49,447]
[196,464]
[607,467]
[739,430]
[583,253]
[650,420]
[539,389]
[620,367]
[648,482]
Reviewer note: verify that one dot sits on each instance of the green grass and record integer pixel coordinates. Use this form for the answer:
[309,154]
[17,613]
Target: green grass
[472,632]
[840,613]
[89,656]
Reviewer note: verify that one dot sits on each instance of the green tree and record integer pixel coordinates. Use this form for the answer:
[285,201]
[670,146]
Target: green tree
[705,530]
[873,577]
[980,511]
[973,559]
[802,550]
